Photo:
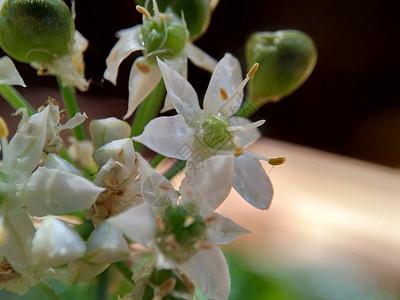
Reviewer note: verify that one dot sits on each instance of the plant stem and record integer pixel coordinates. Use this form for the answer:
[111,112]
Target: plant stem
[156,160]
[71,105]
[125,271]
[14,98]
[102,285]
[148,110]
[49,292]
[175,169]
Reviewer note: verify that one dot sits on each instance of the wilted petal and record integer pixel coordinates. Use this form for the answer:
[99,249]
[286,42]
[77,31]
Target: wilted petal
[207,184]
[128,42]
[19,234]
[199,58]
[156,189]
[137,223]
[8,72]
[80,271]
[106,245]
[221,230]
[252,183]
[142,82]
[228,75]
[52,191]
[55,243]
[118,150]
[169,136]
[246,137]
[181,93]
[209,271]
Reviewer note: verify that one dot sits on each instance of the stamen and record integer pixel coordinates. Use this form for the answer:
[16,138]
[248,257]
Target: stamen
[3,128]
[253,70]
[210,218]
[160,224]
[276,161]
[142,67]
[166,287]
[238,151]
[143,11]
[3,235]
[223,94]
[189,220]
[188,283]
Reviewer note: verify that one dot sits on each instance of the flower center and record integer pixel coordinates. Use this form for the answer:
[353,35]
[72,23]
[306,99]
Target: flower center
[215,133]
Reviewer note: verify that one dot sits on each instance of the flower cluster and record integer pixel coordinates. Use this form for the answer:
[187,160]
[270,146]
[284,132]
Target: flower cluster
[68,212]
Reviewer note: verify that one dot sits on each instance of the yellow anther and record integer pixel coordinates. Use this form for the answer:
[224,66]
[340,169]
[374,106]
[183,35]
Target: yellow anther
[142,67]
[238,151]
[189,220]
[3,235]
[166,287]
[143,11]
[3,128]
[223,93]
[276,161]
[253,69]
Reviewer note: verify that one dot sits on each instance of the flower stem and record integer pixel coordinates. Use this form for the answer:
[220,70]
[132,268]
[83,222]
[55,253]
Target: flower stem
[49,292]
[148,110]
[102,285]
[14,98]
[156,160]
[71,105]
[175,169]
[125,271]
[248,109]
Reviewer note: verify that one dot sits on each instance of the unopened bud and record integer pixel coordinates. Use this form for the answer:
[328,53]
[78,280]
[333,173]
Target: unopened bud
[107,130]
[286,60]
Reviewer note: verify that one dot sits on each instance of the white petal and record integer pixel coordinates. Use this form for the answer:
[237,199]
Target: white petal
[106,245]
[52,191]
[137,223]
[8,72]
[222,230]
[179,64]
[207,184]
[169,136]
[55,243]
[199,58]
[17,248]
[55,162]
[167,104]
[252,183]
[141,84]
[209,271]
[128,42]
[244,138]
[80,271]
[181,93]
[228,75]
[163,261]
[118,150]
[156,189]
[113,169]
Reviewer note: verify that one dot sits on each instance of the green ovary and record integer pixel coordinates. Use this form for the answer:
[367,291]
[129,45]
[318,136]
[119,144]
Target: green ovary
[216,135]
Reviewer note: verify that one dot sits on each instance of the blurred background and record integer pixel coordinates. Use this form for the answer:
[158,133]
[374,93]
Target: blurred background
[333,231]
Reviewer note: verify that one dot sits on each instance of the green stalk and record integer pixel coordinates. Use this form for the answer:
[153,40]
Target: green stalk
[14,98]
[125,271]
[147,111]
[247,109]
[71,105]
[156,160]
[102,285]
[175,169]
[49,292]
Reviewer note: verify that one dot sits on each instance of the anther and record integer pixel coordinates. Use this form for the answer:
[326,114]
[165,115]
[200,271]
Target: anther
[160,224]
[210,218]
[189,220]
[143,11]
[276,161]
[238,151]
[223,94]
[142,67]
[3,128]
[166,287]
[253,69]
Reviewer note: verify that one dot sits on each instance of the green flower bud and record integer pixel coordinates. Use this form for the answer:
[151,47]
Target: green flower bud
[286,60]
[104,131]
[36,30]
[197,13]
[168,42]
[215,134]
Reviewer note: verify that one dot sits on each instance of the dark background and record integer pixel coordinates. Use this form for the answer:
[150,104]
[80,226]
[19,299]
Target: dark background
[350,104]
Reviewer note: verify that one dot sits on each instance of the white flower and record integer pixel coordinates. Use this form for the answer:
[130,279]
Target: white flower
[196,134]
[8,73]
[70,68]
[145,74]
[183,234]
